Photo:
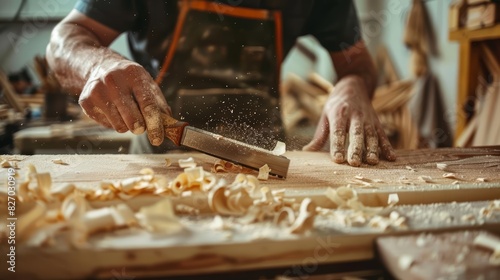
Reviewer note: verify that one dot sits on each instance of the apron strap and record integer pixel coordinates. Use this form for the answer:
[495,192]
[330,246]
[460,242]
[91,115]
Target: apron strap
[222,9]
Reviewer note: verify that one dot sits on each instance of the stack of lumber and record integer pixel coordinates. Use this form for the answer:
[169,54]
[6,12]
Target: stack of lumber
[390,101]
[391,104]
[484,127]
[473,14]
[303,100]
[10,94]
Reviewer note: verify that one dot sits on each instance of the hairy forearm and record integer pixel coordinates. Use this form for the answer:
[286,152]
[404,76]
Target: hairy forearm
[73,53]
[356,65]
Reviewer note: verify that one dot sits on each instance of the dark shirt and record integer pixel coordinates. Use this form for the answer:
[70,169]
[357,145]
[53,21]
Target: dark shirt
[149,23]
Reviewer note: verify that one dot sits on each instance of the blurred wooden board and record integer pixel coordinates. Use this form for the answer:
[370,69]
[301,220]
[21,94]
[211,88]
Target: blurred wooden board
[90,140]
[311,173]
[201,249]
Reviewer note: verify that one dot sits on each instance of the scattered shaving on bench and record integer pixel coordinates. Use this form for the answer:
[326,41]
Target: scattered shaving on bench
[360,215]
[492,243]
[189,162]
[59,161]
[264,172]
[425,179]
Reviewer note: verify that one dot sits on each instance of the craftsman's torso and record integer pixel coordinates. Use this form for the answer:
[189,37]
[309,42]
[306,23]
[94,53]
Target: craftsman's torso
[224,72]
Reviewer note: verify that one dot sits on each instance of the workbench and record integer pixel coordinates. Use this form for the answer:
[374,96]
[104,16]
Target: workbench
[200,249]
[94,140]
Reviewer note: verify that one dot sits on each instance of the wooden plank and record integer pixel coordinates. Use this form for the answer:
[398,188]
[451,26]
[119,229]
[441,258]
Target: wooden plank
[488,33]
[93,139]
[201,249]
[481,16]
[467,81]
[205,250]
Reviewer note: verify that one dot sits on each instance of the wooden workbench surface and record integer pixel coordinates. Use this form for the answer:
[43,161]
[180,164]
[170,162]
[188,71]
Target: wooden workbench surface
[311,173]
[201,249]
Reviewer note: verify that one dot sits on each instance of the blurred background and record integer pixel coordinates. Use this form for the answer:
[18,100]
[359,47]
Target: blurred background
[438,63]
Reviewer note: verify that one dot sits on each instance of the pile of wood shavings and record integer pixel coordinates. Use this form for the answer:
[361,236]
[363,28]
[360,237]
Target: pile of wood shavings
[66,210]
[356,214]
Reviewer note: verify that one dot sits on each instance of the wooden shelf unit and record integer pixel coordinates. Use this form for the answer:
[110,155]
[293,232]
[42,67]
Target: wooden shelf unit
[469,40]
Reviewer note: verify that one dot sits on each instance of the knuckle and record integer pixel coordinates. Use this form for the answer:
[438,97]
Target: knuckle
[338,133]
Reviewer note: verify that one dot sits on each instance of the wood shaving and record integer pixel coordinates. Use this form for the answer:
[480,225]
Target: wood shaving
[450,175]
[147,171]
[492,243]
[341,195]
[405,262]
[442,166]
[346,197]
[159,217]
[186,163]
[62,190]
[195,174]
[59,161]
[6,164]
[305,218]
[410,168]
[425,179]
[279,149]
[404,180]
[221,166]
[492,209]
[231,199]
[468,217]
[264,173]
[219,224]
[285,217]
[186,209]
[361,182]
[28,221]
[392,199]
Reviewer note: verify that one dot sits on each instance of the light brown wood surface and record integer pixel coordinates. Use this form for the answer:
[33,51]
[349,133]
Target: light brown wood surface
[201,249]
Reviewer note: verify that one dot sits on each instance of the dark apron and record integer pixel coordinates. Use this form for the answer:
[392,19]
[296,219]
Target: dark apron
[221,71]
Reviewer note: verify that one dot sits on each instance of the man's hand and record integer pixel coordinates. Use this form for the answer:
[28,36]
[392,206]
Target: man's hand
[351,123]
[114,91]
[120,94]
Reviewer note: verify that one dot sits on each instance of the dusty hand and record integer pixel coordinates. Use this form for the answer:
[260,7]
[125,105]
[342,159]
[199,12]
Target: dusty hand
[120,94]
[349,116]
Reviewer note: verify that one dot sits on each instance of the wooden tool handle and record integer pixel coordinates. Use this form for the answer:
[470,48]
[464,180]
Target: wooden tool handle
[173,128]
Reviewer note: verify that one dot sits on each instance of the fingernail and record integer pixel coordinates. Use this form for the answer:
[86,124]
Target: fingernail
[392,155]
[339,157]
[138,128]
[372,158]
[156,142]
[355,160]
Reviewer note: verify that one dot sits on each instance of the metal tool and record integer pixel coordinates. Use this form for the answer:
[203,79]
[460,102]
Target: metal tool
[181,134]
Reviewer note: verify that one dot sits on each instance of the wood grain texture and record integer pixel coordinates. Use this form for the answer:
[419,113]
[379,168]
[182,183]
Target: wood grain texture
[201,249]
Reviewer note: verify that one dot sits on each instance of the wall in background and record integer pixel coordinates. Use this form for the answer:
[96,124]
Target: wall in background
[384,21]
[23,40]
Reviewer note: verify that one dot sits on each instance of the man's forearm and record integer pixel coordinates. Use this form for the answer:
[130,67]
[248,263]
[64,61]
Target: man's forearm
[73,52]
[356,62]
